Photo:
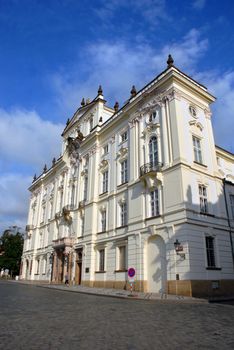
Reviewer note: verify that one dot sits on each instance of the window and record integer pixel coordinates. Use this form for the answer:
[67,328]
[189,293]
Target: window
[154,202]
[82,223]
[123,214]
[122,258]
[197,150]
[105,182]
[85,188]
[51,210]
[153,151]
[203,199]
[44,266]
[102,260]
[105,149]
[37,267]
[90,124]
[124,171]
[61,201]
[124,136]
[73,196]
[210,251]
[103,220]
[232,205]
[43,214]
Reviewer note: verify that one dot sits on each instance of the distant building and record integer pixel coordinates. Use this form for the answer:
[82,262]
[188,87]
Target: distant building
[140,186]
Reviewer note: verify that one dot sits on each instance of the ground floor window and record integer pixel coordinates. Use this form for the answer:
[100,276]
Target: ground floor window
[102,260]
[122,258]
[210,251]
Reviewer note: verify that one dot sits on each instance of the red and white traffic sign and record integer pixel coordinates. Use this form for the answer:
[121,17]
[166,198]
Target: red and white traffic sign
[131,272]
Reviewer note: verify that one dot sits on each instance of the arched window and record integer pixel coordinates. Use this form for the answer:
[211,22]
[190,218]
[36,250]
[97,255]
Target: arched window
[153,151]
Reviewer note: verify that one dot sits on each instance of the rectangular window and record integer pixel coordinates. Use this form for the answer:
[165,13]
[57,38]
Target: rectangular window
[122,258]
[102,260]
[232,205]
[43,214]
[197,150]
[154,202]
[82,223]
[51,209]
[85,188]
[124,171]
[210,251]
[61,201]
[105,182]
[124,136]
[73,196]
[123,214]
[105,149]
[103,221]
[203,199]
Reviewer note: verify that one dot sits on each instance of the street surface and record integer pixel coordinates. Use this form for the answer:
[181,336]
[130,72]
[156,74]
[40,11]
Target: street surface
[32,317]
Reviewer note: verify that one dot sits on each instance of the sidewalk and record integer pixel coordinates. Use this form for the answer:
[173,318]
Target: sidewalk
[116,293]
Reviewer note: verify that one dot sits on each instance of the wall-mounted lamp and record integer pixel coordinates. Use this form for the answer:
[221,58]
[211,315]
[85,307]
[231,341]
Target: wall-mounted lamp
[179,249]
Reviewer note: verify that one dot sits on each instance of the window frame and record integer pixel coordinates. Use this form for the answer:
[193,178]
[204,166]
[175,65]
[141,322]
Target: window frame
[232,205]
[197,149]
[154,203]
[210,252]
[203,199]
[124,136]
[105,181]
[124,171]
[123,214]
[101,260]
[153,150]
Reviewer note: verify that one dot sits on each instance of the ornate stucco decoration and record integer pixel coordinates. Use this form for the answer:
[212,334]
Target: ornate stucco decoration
[73,145]
[196,125]
[103,165]
[122,200]
[123,153]
[66,216]
[152,105]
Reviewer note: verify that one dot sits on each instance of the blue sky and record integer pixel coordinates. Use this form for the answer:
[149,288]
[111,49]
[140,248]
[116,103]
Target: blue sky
[52,53]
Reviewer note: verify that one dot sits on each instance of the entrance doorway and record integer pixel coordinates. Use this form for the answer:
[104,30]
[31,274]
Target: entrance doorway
[157,265]
[78,275]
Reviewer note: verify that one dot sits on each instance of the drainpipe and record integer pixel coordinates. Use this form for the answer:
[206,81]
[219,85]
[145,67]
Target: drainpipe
[228,218]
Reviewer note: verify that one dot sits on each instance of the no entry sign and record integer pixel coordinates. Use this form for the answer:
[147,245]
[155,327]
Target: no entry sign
[131,272]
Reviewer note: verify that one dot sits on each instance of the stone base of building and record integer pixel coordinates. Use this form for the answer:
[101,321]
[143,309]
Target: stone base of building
[138,286]
[201,288]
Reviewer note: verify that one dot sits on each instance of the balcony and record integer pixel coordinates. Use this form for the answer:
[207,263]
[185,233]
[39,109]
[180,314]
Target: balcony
[81,204]
[151,174]
[150,168]
[29,228]
[62,242]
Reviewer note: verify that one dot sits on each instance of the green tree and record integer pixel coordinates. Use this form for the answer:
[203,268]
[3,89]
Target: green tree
[11,247]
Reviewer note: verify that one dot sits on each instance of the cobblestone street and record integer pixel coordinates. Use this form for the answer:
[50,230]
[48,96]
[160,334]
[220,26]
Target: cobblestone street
[38,318]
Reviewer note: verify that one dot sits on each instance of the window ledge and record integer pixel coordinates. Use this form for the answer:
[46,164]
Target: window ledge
[122,184]
[201,164]
[207,214]
[124,226]
[103,193]
[100,232]
[154,217]
[100,271]
[116,271]
[213,268]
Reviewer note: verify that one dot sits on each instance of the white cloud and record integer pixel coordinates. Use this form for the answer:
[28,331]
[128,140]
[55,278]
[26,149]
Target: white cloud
[28,139]
[26,142]
[13,200]
[117,66]
[199,4]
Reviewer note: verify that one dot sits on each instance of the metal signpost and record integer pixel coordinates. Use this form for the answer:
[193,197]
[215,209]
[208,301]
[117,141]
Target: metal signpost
[131,277]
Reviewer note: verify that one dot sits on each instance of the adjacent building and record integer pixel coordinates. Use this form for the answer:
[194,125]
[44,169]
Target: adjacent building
[140,186]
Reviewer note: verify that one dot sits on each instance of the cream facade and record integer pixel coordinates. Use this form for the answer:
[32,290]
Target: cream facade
[140,186]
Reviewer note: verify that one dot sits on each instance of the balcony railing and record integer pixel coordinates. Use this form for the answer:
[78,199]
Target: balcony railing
[63,242]
[150,168]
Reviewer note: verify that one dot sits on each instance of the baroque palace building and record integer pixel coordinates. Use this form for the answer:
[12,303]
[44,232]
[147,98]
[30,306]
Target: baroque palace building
[140,186]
